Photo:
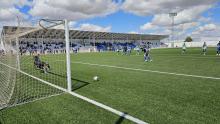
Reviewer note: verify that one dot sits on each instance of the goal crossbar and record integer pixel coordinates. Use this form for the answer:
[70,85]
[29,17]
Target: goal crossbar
[10,37]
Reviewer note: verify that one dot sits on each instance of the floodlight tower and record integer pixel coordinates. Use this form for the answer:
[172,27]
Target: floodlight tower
[172,16]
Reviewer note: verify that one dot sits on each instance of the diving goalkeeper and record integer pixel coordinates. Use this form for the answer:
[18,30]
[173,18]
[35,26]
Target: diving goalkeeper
[44,66]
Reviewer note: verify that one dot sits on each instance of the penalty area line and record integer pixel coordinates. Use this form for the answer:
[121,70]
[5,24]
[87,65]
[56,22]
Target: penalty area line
[98,104]
[152,71]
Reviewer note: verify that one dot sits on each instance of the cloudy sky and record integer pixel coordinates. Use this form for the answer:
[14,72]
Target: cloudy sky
[195,17]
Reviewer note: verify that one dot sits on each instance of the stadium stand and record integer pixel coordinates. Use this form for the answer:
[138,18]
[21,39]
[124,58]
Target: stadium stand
[51,41]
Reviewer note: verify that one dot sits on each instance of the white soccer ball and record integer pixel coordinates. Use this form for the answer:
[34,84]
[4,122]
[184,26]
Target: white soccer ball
[95,78]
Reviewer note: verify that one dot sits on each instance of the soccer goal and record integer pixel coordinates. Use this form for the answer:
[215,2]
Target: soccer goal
[34,62]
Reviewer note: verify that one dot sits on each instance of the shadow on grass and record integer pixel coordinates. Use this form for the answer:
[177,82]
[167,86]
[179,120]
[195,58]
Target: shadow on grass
[1,117]
[75,86]
[121,119]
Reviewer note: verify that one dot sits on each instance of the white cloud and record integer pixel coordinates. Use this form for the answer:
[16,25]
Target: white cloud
[189,15]
[208,27]
[161,31]
[21,3]
[73,9]
[8,13]
[148,26]
[205,19]
[92,27]
[8,6]
[72,25]
[152,7]
[186,26]
[185,16]
[207,30]
[180,32]
[7,10]
[133,32]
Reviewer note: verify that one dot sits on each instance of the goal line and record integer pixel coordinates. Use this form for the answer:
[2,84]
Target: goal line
[103,106]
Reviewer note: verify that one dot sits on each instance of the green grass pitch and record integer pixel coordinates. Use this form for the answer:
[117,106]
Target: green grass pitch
[153,97]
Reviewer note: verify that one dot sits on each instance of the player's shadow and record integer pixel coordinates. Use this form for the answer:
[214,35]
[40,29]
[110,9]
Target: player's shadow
[121,119]
[1,117]
[77,83]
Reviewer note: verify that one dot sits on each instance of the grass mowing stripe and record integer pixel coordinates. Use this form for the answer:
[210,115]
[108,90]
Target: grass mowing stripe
[160,72]
[121,114]
[35,100]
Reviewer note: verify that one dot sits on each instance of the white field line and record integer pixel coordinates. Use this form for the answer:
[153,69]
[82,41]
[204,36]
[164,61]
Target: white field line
[160,72]
[119,113]
[195,57]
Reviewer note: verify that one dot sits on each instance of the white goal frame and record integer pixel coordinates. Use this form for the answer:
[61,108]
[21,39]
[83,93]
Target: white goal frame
[68,72]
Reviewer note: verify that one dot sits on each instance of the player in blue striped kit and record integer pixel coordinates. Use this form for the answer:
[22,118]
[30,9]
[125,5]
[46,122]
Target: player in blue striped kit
[147,57]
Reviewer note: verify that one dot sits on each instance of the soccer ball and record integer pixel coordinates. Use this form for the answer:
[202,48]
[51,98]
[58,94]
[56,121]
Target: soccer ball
[95,78]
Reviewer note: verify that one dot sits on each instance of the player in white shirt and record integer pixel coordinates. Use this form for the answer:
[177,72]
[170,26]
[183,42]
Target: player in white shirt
[184,48]
[137,49]
[118,50]
[128,50]
[204,48]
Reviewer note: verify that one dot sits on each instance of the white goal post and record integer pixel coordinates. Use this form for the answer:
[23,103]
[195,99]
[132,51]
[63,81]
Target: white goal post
[68,63]
[67,42]
[16,87]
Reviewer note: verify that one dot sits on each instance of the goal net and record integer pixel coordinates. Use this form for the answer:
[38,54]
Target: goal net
[33,63]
